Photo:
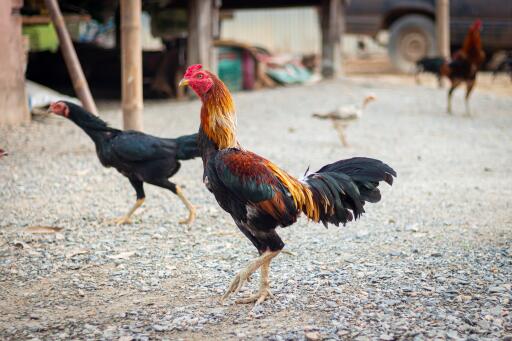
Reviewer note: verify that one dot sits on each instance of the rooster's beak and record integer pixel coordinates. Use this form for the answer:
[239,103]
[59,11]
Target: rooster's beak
[183,82]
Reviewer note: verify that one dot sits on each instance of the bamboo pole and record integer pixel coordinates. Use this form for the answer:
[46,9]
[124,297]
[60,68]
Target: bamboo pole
[443,27]
[131,62]
[71,59]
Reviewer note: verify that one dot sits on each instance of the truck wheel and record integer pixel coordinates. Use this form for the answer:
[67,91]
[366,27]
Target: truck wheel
[411,38]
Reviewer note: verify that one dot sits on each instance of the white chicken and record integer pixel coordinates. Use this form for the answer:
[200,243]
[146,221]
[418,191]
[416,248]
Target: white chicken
[344,115]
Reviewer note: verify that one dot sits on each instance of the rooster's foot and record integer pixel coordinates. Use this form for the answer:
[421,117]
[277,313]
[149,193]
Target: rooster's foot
[191,217]
[124,220]
[243,276]
[237,282]
[258,297]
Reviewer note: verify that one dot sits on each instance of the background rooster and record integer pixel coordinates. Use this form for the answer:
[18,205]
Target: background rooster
[259,195]
[465,64]
[138,156]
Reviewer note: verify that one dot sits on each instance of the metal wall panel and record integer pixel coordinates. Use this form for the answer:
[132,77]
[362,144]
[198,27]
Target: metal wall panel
[289,30]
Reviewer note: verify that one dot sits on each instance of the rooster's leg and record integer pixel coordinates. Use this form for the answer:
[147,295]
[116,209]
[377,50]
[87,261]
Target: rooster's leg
[190,207]
[139,188]
[264,291]
[245,274]
[165,183]
[455,83]
[126,218]
[340,129]
[469,87]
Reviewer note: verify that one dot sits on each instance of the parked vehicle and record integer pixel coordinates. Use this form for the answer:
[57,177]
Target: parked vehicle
[411,25]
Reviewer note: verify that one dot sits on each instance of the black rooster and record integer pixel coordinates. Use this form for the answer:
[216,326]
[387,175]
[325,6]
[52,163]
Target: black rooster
[138,156]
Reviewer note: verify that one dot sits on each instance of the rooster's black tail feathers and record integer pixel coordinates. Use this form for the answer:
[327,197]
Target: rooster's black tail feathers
[341,188]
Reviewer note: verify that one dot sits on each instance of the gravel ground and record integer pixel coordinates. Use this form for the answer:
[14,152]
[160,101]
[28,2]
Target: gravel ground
[432,260]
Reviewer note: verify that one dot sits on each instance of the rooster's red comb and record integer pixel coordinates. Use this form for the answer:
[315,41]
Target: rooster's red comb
[477,24]
[192,68]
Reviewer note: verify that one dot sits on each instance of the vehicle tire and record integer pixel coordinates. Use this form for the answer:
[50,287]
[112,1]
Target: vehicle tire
[411,38]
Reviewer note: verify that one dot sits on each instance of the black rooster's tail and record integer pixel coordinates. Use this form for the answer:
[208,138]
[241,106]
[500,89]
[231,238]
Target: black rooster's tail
[187,147]
[430,64]
[340,189]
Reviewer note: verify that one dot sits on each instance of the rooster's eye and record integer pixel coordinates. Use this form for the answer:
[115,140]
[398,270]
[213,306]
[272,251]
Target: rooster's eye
[200,76]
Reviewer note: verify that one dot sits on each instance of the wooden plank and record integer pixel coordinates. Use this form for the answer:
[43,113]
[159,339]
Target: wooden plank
[13,100]
[332,26]
[131,62]
[200,32]
[44,19]
[443,27]
[70,58]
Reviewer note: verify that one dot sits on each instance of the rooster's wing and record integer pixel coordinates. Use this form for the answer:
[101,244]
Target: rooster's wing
[139,147]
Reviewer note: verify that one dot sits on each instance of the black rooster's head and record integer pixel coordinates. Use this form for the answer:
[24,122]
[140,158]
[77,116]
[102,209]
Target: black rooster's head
[79,115]
[59,108]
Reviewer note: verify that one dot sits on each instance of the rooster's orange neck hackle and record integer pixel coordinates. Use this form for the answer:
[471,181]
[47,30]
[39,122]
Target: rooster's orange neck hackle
[218,119]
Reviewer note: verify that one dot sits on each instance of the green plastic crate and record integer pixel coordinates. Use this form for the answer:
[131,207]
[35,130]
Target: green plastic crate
[230,68]
[41,37]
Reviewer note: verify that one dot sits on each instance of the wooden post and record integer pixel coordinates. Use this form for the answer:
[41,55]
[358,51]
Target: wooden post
[131,63]
[443,27]
[214,56]
[13,100]
[200,31]
[68,52]
[332,26]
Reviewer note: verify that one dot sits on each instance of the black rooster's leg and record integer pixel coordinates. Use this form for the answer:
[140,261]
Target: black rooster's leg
[190,207]
[469,87]
[139,188]
[264,291]
[165,183]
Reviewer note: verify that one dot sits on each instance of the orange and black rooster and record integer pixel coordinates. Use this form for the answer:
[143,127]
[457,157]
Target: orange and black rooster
[261,196]
[140,157]
[465,64]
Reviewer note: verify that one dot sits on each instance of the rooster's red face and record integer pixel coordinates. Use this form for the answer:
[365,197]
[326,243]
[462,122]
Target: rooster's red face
[199,80]
[59,108]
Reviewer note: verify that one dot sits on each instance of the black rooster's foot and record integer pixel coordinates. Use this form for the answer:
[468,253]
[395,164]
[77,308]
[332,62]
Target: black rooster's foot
[191,217]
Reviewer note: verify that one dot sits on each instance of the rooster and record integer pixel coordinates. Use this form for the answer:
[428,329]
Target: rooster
[465,64]
[259,195]
[343,116]
[140,157]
